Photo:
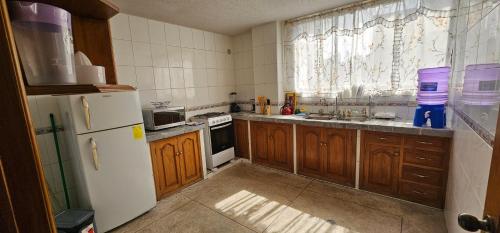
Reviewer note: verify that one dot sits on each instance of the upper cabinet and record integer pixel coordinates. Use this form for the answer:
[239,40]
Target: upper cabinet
[327,153]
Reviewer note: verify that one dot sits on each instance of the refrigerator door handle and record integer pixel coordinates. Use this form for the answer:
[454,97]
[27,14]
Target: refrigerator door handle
[86,110]
[95,157]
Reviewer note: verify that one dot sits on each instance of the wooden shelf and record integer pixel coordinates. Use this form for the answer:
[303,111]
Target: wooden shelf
[97,9]
[75,89]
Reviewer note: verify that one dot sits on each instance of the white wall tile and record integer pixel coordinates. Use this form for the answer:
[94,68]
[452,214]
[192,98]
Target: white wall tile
[220,60]
[159,55]
[142,54]
[164,95]
[211,58]
[187,57]
[174,56]
[179,97]
[212,77]
[196,96]
[126,75]
[120,27]
[172,34]
[139,29]
[220,45]
[186,37]
[199,59]
[123,52]
[209,41]
[146,97]
[188,77]
[145,78]
[177,77]
[198,39]
[162,78]
[157,32]
[200,77]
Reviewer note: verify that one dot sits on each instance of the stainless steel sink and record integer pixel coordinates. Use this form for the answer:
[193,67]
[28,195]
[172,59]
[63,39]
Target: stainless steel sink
[319,117]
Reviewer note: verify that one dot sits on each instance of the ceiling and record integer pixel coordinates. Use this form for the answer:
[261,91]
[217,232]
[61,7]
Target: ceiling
[229,17]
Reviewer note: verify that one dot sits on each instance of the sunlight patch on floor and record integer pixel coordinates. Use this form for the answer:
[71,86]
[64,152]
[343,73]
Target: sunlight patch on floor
[258,209]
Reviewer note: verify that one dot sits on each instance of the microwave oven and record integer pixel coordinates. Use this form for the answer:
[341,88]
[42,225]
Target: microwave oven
[163,117]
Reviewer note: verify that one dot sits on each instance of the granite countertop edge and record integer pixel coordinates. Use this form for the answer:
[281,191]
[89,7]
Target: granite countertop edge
[172,132]
[372,125]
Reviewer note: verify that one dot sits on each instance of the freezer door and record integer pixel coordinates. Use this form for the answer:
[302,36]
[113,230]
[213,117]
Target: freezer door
[102,111]
[118,175]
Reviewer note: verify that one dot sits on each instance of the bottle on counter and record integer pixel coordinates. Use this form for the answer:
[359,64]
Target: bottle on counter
[268,107]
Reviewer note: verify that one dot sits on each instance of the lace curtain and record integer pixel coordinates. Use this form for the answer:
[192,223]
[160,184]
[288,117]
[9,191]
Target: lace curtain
[371,49]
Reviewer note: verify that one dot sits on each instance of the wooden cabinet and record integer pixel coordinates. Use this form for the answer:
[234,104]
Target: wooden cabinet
[241,146]
[272,145]
[405,166]
[176,163]
[327,153]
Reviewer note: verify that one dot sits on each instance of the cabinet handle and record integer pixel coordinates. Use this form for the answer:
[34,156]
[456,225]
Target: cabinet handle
[86,110]
[95,157]
[382,138]
[422,158]
[396,153]
[425,143]
[420,176]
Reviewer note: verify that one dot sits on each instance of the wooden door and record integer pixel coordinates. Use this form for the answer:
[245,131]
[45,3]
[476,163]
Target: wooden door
[339,152]
[309,150]
[190,159]
[380,167]
[260,139]
[241,146]
[166,166]
[24,202]
[280,146]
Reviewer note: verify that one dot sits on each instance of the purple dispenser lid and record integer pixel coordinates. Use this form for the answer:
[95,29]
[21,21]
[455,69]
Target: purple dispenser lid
[444,69]
[30,12]
[483,66]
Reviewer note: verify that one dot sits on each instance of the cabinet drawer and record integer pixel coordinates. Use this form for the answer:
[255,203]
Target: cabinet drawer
[421,175]
[424,158]
[421,194]
[427,143]
[383,138]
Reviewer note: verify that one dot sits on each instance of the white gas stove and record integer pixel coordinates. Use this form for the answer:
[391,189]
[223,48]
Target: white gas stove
[219,137]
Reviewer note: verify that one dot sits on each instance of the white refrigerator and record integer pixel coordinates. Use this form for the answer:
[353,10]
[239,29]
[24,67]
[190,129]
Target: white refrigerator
[109,154]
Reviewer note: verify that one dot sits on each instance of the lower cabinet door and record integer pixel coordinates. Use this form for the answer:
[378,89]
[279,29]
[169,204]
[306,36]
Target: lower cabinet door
[381,169]
[241,148]
[309,151]
[190,162]
[340,156]
[166,166]
[280,146]
[260,139]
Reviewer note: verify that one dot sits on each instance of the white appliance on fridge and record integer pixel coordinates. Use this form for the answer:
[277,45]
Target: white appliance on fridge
[109,154]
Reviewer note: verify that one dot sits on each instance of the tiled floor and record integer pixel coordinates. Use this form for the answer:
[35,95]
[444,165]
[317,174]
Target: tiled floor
[251,198]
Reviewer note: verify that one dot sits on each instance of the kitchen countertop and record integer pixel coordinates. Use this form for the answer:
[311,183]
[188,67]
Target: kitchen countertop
[172,132]
[372,125]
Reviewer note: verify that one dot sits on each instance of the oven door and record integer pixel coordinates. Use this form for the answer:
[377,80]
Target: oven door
[221,137]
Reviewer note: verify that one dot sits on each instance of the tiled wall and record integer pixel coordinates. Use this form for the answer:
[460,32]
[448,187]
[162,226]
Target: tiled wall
[477,42]
[40,108]
[243,69]
[187,66]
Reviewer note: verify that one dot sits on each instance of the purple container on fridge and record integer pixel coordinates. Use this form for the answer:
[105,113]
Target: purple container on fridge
[481,84]
[45,42]
[433,85]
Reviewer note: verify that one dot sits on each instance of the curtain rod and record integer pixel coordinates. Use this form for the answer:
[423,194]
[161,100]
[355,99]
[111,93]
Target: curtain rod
[324,12]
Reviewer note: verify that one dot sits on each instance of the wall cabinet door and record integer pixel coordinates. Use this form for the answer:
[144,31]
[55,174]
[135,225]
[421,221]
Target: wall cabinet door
[189,158]
[260,137]
[241,146]
[309,151]
[381,168]
[166,166]
[280,146]
[339,153]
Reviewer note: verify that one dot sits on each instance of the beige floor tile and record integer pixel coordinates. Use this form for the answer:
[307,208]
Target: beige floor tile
[314,212]
[251,202]
[163,207]
[194,217]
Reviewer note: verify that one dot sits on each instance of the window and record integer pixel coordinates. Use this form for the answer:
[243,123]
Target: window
[369,49]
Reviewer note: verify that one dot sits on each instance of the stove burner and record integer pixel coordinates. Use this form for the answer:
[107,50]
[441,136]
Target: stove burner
[211,114]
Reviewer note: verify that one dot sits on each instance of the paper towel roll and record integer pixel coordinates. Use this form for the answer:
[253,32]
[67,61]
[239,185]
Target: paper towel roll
[90,75]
